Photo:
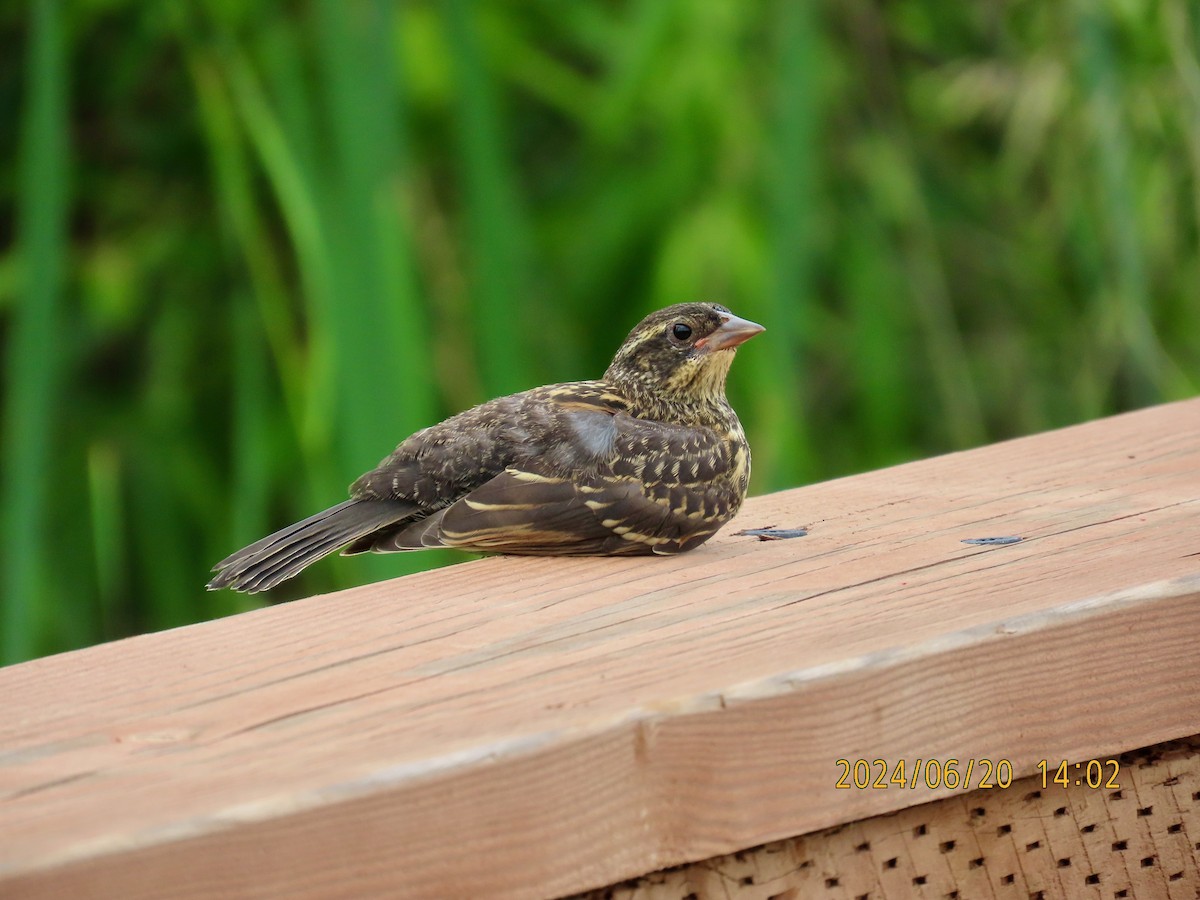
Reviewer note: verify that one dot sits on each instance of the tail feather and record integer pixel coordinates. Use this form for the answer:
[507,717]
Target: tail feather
[279,556]
[281,565]
[418,535]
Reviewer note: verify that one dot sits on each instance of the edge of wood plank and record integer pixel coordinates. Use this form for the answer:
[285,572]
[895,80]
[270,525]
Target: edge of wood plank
[659,786]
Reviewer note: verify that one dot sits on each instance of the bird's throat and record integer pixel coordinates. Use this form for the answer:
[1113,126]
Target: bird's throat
[692,394]
[701,378]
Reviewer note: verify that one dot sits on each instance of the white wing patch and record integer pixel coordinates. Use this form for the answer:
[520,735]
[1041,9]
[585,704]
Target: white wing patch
[596,431]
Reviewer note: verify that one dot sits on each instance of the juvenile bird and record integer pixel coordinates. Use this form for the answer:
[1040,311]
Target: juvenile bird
[651,458]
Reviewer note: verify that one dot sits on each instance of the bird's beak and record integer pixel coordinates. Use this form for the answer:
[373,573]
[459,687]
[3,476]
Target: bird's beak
[732,332]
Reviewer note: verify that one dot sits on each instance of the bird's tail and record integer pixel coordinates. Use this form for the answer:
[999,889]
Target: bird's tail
[283,554]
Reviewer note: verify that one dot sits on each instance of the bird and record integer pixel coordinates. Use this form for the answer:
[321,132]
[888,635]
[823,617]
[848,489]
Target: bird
[649,459]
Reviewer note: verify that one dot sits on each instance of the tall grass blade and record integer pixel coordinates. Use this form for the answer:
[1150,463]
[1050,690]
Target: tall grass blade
[377,327]
[793,203]
[35,365]
[1122,299]
[494,233]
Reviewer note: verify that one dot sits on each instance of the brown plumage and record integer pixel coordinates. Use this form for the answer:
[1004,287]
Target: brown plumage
[651,458]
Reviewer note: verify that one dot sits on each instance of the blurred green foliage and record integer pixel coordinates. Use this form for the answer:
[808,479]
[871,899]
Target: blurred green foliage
[248,246]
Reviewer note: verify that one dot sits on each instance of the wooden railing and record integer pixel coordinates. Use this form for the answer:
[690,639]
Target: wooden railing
[535,727]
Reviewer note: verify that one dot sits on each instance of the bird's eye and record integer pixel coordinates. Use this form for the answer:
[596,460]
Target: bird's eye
[681,331]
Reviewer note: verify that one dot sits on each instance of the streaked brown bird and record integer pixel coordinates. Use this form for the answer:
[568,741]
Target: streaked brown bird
[649,459]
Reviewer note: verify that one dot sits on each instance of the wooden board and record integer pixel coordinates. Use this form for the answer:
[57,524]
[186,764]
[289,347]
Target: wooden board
[533,727]
[1037,838]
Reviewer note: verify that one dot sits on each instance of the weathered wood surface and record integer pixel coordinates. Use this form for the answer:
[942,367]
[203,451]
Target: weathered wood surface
[533,727]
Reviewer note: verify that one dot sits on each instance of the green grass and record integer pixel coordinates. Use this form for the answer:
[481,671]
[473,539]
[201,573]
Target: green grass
[33,383]
[246,248]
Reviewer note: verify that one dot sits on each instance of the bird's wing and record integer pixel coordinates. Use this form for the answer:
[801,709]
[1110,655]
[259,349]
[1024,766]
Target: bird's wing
[520,511]
[442,463]
[635,487]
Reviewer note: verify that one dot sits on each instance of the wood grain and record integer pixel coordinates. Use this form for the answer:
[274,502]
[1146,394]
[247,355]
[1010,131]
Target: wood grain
[1029,840]
[534,727]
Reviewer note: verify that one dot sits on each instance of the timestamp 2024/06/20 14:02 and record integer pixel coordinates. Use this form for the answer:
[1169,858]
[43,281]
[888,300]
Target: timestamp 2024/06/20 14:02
[879,774]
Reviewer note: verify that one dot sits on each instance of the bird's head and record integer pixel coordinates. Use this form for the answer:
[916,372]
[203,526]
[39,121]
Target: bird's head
[681,353]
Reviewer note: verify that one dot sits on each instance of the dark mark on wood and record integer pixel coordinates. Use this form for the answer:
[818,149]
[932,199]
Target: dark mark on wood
[771,533]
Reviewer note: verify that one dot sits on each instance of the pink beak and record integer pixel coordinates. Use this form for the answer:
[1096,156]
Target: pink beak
[733,332]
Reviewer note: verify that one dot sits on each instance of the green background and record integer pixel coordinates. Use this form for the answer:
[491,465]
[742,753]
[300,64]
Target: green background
[246,247]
